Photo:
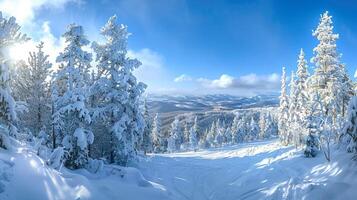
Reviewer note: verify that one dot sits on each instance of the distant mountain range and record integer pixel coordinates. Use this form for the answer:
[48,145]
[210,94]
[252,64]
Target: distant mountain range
[192,103]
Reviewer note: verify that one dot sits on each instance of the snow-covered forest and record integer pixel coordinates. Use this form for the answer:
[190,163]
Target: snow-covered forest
[81,128]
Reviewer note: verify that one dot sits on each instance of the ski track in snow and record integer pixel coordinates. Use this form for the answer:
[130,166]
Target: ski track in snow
[260,170]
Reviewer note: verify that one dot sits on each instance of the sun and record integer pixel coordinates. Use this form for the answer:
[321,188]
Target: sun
[20,51]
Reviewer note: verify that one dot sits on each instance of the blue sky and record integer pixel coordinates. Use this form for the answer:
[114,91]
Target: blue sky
[202,46]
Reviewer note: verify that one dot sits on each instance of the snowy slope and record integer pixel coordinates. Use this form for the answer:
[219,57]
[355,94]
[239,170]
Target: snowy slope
[25,176]
[260,170]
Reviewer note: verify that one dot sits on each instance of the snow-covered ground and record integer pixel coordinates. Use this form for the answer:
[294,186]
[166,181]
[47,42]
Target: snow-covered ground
[260,170]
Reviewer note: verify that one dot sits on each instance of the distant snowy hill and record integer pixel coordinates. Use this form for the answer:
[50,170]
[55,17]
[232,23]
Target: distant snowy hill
[208,108]
[166,103]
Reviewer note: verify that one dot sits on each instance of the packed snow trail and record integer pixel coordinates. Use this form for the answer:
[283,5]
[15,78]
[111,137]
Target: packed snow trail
[261,170]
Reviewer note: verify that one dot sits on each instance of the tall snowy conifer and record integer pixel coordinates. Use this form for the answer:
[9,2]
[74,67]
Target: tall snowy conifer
[119,93]
[329,78]
[70,98]
[9,35]
[147,139]
[283,110]
[32,87]
[158,137]
[292,121]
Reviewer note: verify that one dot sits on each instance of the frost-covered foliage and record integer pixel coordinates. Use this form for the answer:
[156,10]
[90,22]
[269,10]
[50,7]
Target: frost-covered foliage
[330,79]
[283,111]
[56,158]
[9,35]
[147,144]
[292,120]
[302,96]
[71,115]
[119,93]
[32,87]
[314,123]
[158,137]
[193,138]
[175,135]
[349,133]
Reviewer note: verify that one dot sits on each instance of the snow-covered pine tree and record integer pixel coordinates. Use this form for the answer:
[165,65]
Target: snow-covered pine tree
[147,144]
[193,135]
[349,132]
[211,135]
[271,128]
[283,111]
[186,134]
[171,143]
[175,134]
[253,129]
[119,93]
[70,98]
[9,35]
[314,121]
[228,135]
[234,129]
[219,138]
[329,78]
[301,93]
[203,143]
[262,125]
[193,141]
[293,135]
[158,137]
[347,90]
[32,86]
[196,127]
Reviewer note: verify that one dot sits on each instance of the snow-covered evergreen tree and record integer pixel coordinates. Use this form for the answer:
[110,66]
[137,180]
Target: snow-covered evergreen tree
[314,122]
[283,111]
[219,138]
[228,136]
[203,143]
[32,86]
[292,120]
[350,128]
[70,98]
[262,125]
[193,138]
[253,129]
[235,129]
[193,135]
[186,133]
[158,137]
[271,128]
[9,35]
[211,135]
[119,93]
[175,134]
[330,79]
[301,94]
[147,144]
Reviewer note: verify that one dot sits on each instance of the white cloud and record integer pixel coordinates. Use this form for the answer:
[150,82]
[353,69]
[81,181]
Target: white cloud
[52,45]
[25,13]
[183,78]
[251,81]
[25,10]
[225,81]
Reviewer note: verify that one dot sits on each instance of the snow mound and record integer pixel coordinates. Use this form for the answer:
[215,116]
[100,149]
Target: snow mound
[24,175]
